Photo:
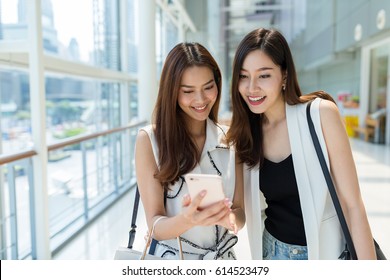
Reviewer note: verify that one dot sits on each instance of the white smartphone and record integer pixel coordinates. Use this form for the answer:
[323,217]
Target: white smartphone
[211,183]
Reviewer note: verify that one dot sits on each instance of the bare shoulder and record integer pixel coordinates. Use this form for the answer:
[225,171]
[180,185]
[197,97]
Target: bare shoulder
[144,157]
[142,135]
[143,141]
[332,123]
[328,111]
[328,107]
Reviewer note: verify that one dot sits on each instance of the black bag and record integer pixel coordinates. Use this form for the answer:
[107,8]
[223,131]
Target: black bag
[349,252]
[346,254]
[128,253]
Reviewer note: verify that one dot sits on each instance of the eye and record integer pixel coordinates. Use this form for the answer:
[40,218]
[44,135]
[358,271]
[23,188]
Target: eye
[242,76]
[209,87]
[188,91]
[265,76]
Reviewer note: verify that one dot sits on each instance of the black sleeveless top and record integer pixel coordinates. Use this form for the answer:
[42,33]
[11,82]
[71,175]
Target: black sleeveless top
[284,215]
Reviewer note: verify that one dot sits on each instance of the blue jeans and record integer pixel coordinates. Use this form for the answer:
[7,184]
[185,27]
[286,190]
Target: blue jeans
[274,249]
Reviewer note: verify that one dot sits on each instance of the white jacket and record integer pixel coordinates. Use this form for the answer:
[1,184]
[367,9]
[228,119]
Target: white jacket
[323,232]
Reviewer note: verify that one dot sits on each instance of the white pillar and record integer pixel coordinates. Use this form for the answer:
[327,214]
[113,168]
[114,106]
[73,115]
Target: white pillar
[147,82]
[38,123]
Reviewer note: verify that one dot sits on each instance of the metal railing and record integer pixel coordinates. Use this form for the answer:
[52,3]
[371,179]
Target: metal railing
[86,174]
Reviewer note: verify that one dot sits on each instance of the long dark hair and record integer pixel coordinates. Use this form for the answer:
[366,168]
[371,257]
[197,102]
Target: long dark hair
[245,131]
[178,154]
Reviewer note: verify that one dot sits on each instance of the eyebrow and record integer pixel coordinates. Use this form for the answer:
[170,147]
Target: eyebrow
[260,69]
[212,80]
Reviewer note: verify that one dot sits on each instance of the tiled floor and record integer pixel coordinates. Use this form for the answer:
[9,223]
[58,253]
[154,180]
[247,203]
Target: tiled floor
[100,240]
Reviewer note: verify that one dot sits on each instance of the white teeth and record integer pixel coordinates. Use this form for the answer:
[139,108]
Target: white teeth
[200,108]
[254,99]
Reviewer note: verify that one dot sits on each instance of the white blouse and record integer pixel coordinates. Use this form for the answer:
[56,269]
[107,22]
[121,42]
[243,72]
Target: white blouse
[211,242]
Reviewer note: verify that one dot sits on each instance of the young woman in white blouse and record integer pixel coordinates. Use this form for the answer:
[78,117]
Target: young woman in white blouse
[185,137]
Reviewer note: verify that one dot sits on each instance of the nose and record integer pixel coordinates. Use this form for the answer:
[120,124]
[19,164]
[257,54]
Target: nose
[252,85]
[200,96]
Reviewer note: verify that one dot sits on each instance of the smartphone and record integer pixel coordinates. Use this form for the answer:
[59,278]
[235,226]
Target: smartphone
[211,183]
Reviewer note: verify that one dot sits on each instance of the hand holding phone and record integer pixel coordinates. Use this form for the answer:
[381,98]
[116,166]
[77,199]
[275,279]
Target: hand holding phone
[211,183]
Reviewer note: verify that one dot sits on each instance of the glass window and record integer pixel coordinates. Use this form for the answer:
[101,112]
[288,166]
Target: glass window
[71,29]
[379,75]
[17,216]
[15,111]
[131,36]
[86,31]
[379,90]
[133,91]
[76,106]
[13,21]
[82,178]
[166,37]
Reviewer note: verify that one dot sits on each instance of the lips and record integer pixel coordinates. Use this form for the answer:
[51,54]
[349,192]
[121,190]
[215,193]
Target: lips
[200,109]
[256,100]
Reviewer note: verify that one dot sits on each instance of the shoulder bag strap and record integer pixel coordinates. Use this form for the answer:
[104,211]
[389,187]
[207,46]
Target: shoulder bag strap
[153,245]
[133,219]
[132,231]
[329,182]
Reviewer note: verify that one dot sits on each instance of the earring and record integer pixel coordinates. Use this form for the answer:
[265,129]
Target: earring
[283,87]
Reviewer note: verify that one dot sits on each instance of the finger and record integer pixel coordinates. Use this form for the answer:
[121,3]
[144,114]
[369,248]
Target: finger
[209,211]
[212,215]
[146,237]
[196,201]
[218,207]
[233,224]
[186,200]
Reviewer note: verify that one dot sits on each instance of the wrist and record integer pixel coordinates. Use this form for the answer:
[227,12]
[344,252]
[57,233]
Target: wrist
[184,221]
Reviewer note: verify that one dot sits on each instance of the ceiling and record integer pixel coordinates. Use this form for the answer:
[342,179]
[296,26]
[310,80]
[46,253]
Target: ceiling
[245,15]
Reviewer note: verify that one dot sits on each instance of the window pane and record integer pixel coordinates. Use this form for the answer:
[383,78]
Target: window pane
[74,37]
[379,83]
[15,111]
[77,106]
[166,37]
[379,77]
[133,88]
[17,216]
[13,20]
[131,36]
[92,33]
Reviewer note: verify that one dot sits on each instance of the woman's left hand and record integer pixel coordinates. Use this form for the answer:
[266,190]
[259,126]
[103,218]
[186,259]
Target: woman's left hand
[229,221]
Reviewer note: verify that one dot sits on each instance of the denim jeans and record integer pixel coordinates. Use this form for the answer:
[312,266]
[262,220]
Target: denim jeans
[274,249]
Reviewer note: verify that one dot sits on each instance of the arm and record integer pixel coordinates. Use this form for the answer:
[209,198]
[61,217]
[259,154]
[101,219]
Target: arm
[342,168]
[152,196]
[235,220]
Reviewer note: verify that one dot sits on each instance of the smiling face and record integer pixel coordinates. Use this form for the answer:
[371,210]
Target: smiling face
[260,82]
[198,93]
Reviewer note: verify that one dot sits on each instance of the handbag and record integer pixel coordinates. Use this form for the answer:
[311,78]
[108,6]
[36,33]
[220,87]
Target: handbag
[128,253]
[349,252]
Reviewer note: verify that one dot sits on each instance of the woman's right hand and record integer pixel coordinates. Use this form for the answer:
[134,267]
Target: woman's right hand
[207,216]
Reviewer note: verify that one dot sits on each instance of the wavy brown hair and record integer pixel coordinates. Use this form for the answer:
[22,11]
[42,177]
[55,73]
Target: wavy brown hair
[178,153]
[246,127]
